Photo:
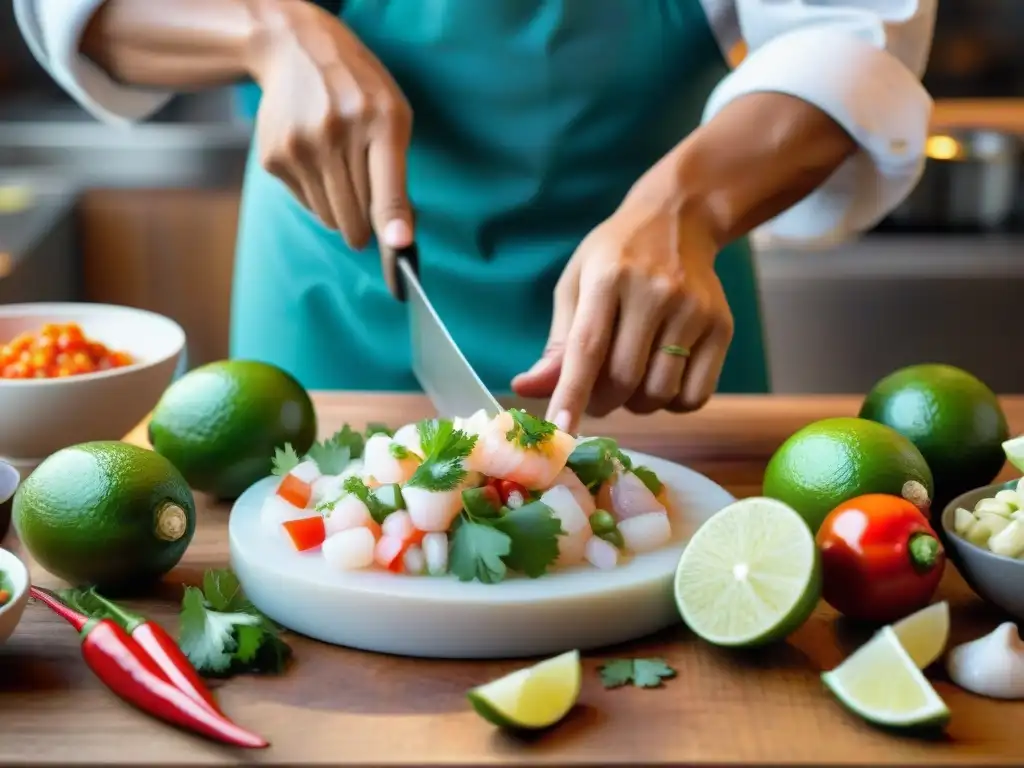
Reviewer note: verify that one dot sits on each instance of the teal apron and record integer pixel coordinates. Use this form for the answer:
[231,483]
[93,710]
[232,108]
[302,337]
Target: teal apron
[532,120]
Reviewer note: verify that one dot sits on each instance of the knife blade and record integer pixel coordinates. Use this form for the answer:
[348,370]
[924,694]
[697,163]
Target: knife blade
[442,370]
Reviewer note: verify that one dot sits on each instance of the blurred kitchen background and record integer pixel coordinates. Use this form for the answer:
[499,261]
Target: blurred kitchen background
[147,218]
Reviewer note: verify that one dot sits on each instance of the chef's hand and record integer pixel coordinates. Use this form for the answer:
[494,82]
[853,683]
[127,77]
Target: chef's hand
[334,126]
[640,317]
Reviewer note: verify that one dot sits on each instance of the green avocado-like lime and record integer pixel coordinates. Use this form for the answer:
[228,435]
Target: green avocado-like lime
[106,514]
[220,423]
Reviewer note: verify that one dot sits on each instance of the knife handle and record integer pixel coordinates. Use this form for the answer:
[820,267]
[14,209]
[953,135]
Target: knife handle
[411,256]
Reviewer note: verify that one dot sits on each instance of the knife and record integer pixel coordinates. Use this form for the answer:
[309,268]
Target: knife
[442,370]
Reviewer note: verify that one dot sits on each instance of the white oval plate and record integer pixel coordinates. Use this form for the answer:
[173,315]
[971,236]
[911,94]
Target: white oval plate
[441,617]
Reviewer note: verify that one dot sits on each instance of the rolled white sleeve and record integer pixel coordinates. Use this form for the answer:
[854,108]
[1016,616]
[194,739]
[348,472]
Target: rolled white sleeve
[53,29]
[859,61]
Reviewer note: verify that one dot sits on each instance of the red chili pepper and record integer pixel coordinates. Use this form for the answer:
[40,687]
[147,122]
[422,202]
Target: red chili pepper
[164,651]
[881,559]
[127,670]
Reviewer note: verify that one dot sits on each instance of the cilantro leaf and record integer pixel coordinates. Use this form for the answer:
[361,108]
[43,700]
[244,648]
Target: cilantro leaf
[378,509]
[346,437]
[399,452]
[285,460]
[641,673]
[445,448]
[596,459]
[330,457]
[376,428]
[649,478]
[477,551]
[221,632]
[533,532]
[527,430]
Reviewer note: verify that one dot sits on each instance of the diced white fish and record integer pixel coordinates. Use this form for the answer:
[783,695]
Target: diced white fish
[432,511]
[349,550]
[646,532]
[398,524]
[564,507]
[409,437]
[435,550]
[385,468]
[330,487]
[600,554]
[580,492]
[348,512]
[307,471]
[625,496]
[414,562]
[387,550]
[473,425]
[534,468]
[572,549]
[276,511]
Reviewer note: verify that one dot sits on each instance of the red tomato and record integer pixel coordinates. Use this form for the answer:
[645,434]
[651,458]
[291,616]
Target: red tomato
[295,491]
[880,557]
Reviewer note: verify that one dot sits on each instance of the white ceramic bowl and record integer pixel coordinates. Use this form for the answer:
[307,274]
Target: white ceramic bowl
[17,581]
[41,416]
[579,607]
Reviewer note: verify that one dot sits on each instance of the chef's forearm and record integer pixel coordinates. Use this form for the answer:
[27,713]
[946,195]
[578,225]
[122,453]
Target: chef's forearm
[755,159]
[179,44]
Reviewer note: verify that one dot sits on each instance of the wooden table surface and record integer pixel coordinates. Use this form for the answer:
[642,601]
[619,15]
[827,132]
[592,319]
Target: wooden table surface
[340,706]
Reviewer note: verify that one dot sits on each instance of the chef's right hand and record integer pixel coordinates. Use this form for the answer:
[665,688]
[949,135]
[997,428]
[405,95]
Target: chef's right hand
[333,124]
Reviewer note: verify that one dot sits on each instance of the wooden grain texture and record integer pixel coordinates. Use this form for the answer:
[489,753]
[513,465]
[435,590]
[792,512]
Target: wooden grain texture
[341,706]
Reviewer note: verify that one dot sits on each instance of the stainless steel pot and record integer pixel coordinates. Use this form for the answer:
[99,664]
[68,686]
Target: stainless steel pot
[971,180]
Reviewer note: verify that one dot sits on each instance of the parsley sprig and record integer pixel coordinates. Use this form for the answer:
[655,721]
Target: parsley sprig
[445,448]
[529,431]
[332,455]
[486,548]
[641,673]
[355,485]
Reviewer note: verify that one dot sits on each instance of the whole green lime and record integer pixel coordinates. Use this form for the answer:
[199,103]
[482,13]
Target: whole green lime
[108,514]
[952,417]
[834,460]
[220,423]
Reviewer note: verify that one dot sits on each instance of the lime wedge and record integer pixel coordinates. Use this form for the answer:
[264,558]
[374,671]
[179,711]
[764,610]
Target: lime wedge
[750,575]
[535,697]
[1014,450]
[882,684]
[924,634]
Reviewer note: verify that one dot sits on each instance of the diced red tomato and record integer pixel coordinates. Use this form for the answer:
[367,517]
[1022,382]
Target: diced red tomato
[56,351]
[295,491]
[306,533]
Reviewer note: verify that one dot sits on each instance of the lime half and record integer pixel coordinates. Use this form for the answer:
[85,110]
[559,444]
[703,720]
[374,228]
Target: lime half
[882,684]
[1014,450]
[535,697]
[924,634]
[750,574]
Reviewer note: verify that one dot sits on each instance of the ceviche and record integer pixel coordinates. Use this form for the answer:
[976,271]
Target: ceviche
[477,498]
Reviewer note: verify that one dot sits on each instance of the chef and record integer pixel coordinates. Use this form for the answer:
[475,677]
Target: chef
[579,176]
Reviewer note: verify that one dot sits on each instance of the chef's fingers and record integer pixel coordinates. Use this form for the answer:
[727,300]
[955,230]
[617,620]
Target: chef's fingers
[317,200]
[670,357]
[359,173]
[640,316]
[291,181]
[340,193]
[586,346]
[541,379]
[700,379]
[391,211]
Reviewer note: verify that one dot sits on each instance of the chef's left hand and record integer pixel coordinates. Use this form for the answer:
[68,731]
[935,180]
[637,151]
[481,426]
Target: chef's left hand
[640,317]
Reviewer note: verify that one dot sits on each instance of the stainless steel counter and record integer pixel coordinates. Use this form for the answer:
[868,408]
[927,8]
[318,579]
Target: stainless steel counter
[196,142]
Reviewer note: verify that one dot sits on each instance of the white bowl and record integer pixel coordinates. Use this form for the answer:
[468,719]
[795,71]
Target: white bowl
[41,416]
[579,607]
[18,583]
